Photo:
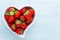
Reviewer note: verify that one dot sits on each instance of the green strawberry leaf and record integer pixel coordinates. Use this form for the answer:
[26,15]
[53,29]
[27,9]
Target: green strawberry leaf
[13,10]
[26,12]
[11,13]
[18,21]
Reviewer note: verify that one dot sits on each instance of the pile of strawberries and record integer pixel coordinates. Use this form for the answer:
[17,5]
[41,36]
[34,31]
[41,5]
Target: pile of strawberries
[18,20]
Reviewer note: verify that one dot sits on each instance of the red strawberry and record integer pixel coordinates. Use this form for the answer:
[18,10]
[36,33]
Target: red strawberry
[19,31]
[6,17]
[23,10]
[11,9]
[27,17]
[11,19]
[18,23]
[17,14]
[31,11]
[23,25]
[9,24]
[22,18]
[29,20]
[13,27]
[27,14]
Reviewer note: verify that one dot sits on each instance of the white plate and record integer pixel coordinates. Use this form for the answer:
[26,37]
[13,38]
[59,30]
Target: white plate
[25,29]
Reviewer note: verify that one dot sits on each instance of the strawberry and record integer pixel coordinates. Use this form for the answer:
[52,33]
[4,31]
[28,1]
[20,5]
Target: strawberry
[18,23]
[23,25]
[11,19]
[9,24]
[11,9]
[17,14]
[31,11]
[19,31]
[23,10]
[6,17]
[27,15]
[29,20]
[13,27]
[22,18]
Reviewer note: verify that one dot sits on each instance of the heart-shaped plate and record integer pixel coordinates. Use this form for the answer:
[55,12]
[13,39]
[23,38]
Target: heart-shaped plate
[18,21]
